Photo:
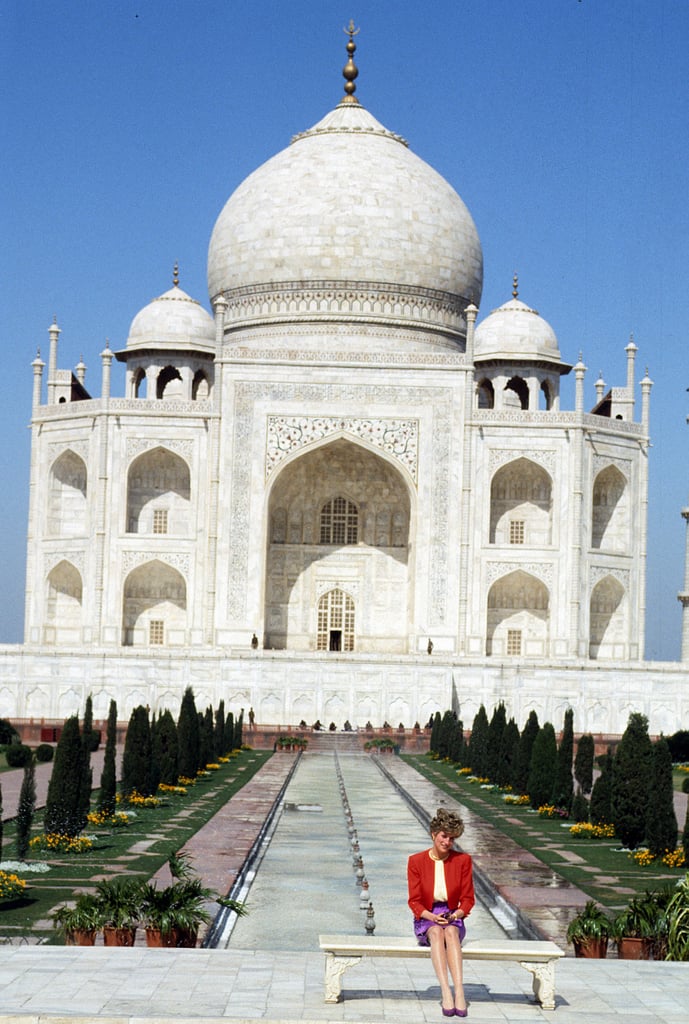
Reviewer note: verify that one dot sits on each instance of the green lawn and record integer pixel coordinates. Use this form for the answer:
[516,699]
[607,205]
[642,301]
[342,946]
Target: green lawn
[614,871]
[139,849]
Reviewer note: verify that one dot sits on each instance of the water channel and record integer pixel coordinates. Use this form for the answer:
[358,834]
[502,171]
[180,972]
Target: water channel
[306,884]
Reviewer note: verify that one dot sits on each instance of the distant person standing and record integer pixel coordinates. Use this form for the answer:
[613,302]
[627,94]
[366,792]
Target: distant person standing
[252,718]
[441,896]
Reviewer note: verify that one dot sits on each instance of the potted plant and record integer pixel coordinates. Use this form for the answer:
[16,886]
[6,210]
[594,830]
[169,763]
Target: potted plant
[589,931]
[633,930]
[678,922]
[119,900]
[158,914]
[80,922]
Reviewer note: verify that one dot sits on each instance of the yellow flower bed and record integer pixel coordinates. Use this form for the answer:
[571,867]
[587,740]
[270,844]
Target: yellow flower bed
[519,801]
[164,787]
[100,818]
[642,857]
[55,842]
[184,780]
[464,771]
[675,858]
[213,767]
[11,886]
[584,829]
[137,800]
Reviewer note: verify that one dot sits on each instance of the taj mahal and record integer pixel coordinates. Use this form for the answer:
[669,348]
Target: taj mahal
[341,491]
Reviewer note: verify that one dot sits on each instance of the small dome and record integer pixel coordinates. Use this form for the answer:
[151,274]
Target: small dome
[514,331]
[347,201]
[173,321]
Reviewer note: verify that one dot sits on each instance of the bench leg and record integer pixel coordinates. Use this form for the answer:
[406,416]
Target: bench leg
[543,982]
[335,966]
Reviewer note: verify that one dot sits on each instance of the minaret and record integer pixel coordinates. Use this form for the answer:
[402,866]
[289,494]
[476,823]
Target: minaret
[38,366]
[54,332]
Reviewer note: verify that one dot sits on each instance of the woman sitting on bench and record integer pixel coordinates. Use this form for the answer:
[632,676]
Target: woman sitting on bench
[441,895]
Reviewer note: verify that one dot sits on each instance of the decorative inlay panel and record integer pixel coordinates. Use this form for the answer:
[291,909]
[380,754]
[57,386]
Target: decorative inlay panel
[599,572]
[603,461]
[350,587]
[133,559]
[541,570]
[137,445]
[501,456]
[80,448]
[75,558]
[286,434]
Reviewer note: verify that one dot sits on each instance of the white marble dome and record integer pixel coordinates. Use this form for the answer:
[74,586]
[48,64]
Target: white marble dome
[347,201]
[514,331]
[173,321]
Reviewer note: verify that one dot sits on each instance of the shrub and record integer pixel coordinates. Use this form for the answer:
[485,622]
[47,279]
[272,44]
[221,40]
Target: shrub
[583,763]
[661,822]
[136,759]
[543,766]
[63,808]
[526,742]
[18,755]
[580,807]
[563,788]
[631,776]
[679,745]
[478,743]
[44,753]
[8,733]
[601,795]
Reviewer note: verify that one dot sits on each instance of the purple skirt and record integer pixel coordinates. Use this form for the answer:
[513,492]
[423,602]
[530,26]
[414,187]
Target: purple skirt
[421,925]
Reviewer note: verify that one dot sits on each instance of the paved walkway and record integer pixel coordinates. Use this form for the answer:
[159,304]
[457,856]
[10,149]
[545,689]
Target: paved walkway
[131,986]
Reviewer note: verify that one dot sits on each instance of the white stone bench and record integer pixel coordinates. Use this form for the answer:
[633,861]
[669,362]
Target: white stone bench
[343,951]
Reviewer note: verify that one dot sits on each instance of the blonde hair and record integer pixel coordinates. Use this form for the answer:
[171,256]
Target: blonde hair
[447,821]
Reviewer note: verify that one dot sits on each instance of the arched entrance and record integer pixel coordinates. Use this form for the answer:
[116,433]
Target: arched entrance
[338,548]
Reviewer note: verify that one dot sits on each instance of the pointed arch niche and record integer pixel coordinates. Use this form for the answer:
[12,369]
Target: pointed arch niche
[158,494]
[608,619]
[67,496]
[610,512]
[521,505]
[63,618]
[338,520]
[517,620]
[154,606]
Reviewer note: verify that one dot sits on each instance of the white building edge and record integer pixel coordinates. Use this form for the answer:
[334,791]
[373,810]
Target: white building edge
[340,497]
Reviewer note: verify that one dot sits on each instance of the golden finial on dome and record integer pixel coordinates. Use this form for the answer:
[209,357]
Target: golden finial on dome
[350,70]
[515,285]
[175,275]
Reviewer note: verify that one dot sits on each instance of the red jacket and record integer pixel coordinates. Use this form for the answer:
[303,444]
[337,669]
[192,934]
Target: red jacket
[458,880]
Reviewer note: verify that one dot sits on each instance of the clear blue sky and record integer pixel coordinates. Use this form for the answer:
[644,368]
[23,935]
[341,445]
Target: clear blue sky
[563,124]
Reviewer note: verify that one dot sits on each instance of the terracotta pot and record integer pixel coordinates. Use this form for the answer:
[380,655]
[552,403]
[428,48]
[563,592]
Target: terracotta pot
[81,937]
[591,949]
[118,936]
[156,938]
[633,949]
[186,938]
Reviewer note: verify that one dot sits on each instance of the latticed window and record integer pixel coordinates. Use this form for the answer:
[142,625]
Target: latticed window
[335,622]
[339,522]
[514,641]
[160,520]
[156,631]
[516,531]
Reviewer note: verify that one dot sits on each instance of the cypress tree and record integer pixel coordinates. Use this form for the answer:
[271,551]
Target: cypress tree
[25,810]
[154,780]
[601,795]
[509,753]
[457,744]
[543,766]
[526,742]
[136,759]
[496,728]
[631,773]
[661,821]
[86,780]
[205,737]
[239,726]
[435,733]
[685,836]
[563,789]
[219,731]
[188,736]
[478,743]
[446,734]
[107,797]
[583,763]
[62,807]
[165,744]
[229,733]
